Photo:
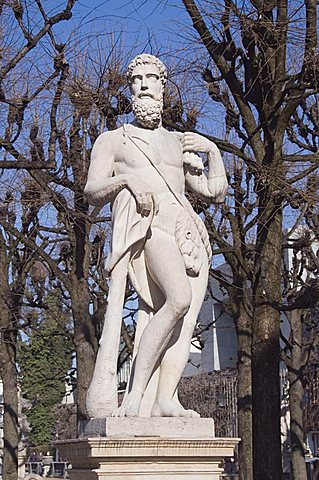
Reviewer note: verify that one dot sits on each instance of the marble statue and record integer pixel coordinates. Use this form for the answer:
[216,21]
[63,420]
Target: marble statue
[158,240]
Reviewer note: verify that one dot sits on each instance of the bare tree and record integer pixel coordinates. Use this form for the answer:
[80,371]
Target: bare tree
[33,32]
[30,30]
[300,299]
[16,260]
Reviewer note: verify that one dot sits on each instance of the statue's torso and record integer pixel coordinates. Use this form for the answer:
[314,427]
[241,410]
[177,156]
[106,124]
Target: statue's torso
[135,146]
[156,158]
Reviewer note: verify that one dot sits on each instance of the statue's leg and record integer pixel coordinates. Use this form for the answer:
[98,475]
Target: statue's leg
[143,317]
[102,395]
[167,269]
[177,353]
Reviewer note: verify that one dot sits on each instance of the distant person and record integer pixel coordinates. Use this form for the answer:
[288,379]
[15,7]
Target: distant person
[230,465]
[33,457]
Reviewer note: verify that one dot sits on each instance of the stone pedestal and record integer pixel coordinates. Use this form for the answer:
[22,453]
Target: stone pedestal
[184,449]
[21,464]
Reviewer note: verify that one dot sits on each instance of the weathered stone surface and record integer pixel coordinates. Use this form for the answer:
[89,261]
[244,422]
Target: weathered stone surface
[146,458]
[127,427]
[158,240]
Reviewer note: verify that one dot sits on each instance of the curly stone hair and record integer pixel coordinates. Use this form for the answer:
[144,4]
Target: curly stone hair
[147,59]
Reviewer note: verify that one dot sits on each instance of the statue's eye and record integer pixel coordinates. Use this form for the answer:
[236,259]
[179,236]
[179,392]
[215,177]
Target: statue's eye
[153,77]
[136,78]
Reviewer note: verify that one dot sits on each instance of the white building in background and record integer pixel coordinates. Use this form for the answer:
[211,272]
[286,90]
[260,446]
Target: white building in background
[219,338]
[216,349]
[70,396]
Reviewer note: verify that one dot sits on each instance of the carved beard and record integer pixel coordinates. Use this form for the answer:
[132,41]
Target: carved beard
[147,113]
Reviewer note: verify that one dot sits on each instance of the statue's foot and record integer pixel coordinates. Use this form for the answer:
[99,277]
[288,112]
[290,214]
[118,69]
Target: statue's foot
[130,406]
[171,408]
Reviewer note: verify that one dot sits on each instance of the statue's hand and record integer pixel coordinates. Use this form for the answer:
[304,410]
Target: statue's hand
[145,201]
[194,162]
[193,142]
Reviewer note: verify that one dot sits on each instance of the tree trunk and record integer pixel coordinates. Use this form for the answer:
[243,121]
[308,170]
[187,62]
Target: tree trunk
[244,393]
[84,331]
[8,372]
[265,352]
[296,393]
[85,344]
[10,399]
[10,392]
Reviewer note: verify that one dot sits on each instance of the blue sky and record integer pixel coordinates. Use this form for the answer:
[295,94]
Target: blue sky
[150,23]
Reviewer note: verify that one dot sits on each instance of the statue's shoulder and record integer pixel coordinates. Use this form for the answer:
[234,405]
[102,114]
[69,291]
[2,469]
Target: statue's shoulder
[109,138]
[177,136]
[110,134]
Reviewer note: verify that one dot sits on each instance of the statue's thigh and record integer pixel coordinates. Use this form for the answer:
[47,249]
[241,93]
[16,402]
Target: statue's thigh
[166,266]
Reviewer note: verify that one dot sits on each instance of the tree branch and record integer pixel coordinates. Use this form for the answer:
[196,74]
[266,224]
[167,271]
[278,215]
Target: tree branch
[229,76]
[37,249]
[66,14]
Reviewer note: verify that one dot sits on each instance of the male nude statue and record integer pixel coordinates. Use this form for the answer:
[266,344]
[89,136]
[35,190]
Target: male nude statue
[157,239]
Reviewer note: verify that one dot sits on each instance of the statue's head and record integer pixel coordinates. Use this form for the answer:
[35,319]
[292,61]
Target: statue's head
[147,77]
[147,59]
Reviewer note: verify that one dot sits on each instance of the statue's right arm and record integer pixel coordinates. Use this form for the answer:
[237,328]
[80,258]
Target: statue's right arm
[102,185]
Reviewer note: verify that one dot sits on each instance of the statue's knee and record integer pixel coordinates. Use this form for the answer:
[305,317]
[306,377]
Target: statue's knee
[184,309]
[180,304]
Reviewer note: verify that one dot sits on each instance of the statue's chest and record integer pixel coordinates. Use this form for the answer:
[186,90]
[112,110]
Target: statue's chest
[167,150]
[161,150]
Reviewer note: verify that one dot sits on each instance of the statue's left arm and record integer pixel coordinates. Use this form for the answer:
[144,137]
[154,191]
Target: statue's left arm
[213,187]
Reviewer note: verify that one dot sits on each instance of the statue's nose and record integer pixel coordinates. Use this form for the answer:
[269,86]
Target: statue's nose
[144,84]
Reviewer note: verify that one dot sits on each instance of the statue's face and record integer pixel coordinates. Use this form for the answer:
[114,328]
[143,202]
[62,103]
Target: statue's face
[146,83]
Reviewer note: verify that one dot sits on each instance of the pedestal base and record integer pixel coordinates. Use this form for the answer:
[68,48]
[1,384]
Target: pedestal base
[132,427]
[139,457]
[22,456]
